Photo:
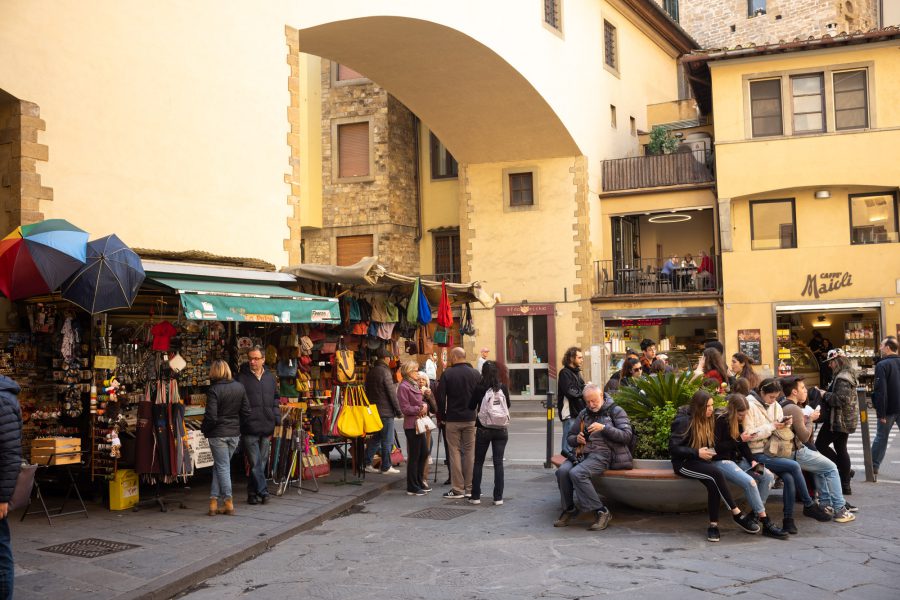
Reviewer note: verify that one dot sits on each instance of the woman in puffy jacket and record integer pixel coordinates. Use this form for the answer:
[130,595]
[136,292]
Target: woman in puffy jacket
[226,406]
[840,416]
[692,447]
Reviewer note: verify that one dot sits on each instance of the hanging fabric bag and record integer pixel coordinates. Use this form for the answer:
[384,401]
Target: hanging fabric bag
[445,314]
[468,326]
[412,308]
[424,308]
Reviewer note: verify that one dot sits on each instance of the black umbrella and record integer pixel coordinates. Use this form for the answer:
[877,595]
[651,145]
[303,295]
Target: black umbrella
[109,279]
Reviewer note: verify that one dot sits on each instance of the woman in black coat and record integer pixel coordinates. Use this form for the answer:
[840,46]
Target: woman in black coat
[226,406]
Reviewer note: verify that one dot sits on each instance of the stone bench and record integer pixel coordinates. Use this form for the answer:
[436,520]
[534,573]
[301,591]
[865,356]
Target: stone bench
[642,473]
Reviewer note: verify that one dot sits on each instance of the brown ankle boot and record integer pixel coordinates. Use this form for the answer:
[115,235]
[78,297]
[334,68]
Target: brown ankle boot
[228,509]
[213,507]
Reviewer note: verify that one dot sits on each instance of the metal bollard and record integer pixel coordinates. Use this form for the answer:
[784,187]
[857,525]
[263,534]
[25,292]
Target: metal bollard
[863,402]
[550,406]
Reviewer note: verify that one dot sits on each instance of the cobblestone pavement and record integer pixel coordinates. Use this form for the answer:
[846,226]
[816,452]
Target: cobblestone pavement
[513,551]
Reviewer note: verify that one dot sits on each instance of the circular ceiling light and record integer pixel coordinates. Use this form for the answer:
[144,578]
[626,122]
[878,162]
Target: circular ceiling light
[671,218]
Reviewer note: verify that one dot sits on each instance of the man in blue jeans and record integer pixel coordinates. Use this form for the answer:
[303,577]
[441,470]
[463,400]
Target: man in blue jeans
[10,464]
[382,394]
[825,472]
[886,397]
[262,393]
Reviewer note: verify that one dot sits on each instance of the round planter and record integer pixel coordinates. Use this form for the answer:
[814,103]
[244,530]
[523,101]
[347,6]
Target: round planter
[653,493]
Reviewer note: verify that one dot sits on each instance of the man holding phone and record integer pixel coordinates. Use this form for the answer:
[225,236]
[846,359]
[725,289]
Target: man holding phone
[825,473]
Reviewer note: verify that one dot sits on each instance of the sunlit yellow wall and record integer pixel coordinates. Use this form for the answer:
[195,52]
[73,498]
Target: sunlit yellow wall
[310,115]
[440,202]
[748,166]
[165,121]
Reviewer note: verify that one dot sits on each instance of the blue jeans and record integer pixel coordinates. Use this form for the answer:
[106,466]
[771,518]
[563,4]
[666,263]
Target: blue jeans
[222,448]
[756,493]
[496,439]
[825,473]
[256,447]
[881,438]
[7,572]
[792,476]
[566,427]
[382,443]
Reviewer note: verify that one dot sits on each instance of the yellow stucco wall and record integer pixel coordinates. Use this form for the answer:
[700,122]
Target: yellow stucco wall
[748,166]
[165,122]
[440,202]
[310,115]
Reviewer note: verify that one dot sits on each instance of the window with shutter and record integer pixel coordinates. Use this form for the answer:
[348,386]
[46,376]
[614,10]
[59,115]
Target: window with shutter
[552,14]
[353,149]
[610,46]
[851,105]
[353,248]
[443,165]
[765,107]
[521,189]
[446,257]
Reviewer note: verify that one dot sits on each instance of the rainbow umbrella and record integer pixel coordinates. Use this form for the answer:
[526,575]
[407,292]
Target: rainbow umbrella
[35,259]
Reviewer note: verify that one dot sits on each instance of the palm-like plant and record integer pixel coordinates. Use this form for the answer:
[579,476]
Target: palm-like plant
[648,393]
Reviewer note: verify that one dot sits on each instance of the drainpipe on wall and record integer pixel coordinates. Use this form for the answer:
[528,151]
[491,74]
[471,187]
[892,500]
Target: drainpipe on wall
[417,126]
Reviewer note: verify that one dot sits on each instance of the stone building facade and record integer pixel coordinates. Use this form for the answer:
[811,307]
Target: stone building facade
[21,190]
[729,23]
[382,204]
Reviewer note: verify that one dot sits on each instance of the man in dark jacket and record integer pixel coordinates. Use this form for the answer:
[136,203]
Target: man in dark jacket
[10,463]
[381,391]
[262,393]
[454,392]
[886,397]
[605,431]
[569,401]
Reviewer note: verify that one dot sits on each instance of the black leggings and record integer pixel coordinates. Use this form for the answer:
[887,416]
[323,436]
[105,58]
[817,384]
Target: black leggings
[416,454]
[716,486]
[839,456]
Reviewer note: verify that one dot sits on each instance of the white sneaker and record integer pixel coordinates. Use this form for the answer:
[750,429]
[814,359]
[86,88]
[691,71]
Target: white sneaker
[371,469]
[391,470]
[473,500]
[498,502]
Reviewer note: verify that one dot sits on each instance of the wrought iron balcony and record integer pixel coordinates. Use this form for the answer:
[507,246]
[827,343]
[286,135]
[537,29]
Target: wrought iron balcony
[680,168]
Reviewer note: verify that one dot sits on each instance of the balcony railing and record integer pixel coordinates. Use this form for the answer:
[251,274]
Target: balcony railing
[681,168]
[645,278]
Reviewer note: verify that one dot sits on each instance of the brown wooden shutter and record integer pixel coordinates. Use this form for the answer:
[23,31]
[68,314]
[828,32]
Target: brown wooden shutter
[352,248]
[353,150]
[344,73]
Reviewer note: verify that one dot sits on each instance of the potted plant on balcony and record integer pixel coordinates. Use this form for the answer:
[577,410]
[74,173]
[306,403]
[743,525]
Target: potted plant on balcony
[661,141]
[651,404]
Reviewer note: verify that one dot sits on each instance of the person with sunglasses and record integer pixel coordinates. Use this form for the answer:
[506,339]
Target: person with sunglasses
[734,459]
[761,422]
[631,370]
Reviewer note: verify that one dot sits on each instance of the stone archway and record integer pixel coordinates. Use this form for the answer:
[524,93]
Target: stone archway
[21,191]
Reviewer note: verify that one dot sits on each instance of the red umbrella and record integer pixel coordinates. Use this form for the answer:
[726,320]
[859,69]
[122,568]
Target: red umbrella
[444,316]
[35,259]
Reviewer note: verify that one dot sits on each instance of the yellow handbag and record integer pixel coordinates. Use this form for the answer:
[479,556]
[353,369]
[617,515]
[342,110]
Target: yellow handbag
[371,419]
[303,381]
[345,362]
[351,422]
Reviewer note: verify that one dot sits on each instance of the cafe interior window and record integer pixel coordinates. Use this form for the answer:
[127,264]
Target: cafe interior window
[772,224]
[873,218]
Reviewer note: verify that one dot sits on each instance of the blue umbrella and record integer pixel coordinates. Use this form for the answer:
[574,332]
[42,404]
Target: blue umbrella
[109,279]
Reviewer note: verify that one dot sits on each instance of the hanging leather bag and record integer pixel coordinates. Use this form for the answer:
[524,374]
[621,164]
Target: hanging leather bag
[371,419]
[350,422]
[345,362]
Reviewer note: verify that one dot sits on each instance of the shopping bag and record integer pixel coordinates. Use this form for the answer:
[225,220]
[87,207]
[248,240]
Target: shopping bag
[424,309]
[371,419]
[445,315]
[351,423]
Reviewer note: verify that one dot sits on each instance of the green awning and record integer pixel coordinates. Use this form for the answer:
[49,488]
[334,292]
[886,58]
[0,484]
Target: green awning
[214,300]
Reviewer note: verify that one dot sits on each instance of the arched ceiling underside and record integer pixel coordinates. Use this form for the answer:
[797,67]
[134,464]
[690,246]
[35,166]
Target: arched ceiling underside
[479,106]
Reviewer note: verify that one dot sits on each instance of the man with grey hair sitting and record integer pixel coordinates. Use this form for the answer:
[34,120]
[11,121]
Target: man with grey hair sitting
[601,434]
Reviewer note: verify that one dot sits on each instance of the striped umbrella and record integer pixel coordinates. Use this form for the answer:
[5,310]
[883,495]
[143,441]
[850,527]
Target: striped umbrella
[36,259]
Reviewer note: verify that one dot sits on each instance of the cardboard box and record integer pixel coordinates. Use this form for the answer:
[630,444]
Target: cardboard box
[124,491]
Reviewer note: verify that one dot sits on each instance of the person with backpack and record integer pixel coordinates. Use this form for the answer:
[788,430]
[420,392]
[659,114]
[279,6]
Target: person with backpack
[490,401]
[604,438]
[571,384]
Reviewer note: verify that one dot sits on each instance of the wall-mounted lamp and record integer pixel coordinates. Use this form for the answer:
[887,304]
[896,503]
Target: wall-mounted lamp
[821,322]
[822,194]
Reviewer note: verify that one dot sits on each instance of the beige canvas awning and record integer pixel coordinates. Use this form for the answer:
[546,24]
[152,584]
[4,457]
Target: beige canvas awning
[367,275]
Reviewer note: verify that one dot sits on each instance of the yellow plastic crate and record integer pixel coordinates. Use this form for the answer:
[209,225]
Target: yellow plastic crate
[124,491]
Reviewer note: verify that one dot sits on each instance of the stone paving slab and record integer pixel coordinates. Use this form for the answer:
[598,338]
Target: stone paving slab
[176,547]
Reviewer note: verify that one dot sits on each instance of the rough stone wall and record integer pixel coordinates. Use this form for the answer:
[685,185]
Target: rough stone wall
[21,192]
[384,206]
[710,22]
[292,244]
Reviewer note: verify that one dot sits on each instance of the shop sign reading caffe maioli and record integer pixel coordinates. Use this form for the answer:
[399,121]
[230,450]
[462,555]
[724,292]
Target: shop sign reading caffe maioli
[819,284]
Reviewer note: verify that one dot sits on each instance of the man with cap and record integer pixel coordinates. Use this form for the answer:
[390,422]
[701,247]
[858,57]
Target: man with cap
[483,358]
[382,393]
